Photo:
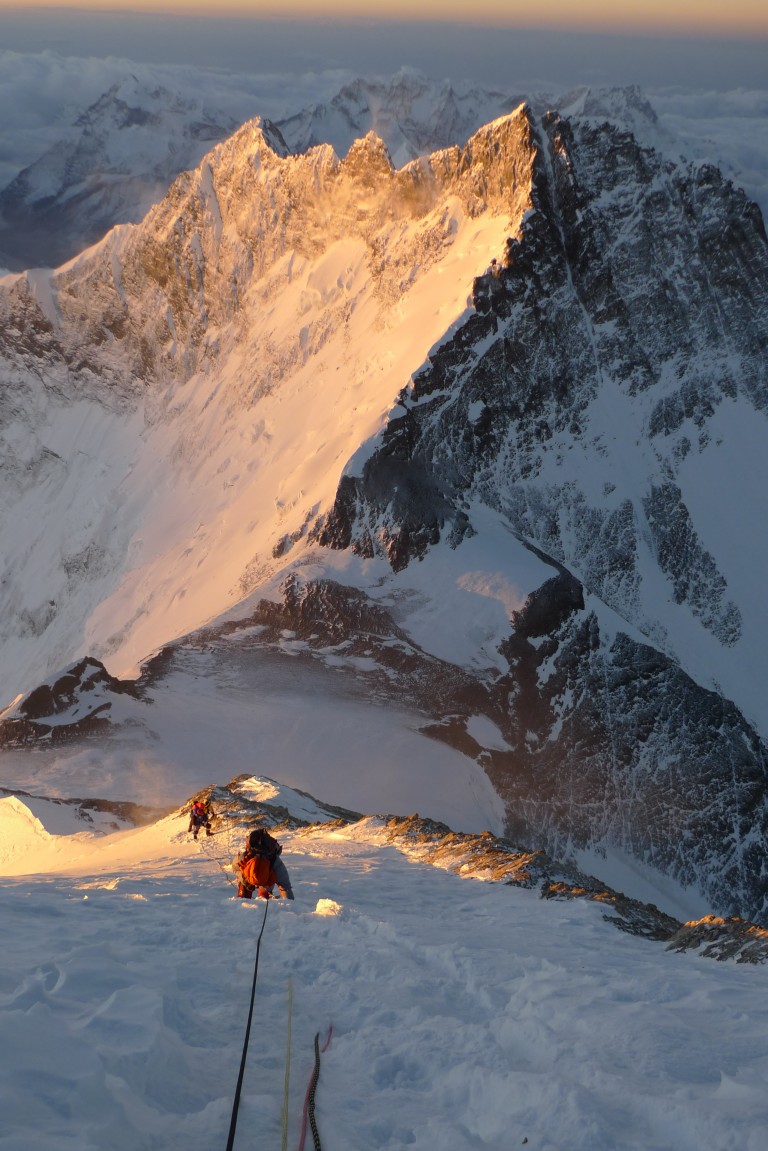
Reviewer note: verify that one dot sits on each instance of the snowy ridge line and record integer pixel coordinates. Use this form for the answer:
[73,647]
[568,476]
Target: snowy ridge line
[490,859]
[494,859]
[465,1017]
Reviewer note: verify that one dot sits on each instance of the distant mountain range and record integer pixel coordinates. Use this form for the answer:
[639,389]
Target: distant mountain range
[123,152]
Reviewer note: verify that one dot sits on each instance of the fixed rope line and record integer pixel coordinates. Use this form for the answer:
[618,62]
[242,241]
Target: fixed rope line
[309,1099]
[230,829]
[210,855]
[238,1089]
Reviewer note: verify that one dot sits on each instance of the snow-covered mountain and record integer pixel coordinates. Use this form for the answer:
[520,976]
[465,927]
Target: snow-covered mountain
[120,154]
[116,161]
[413,114]
[293,414]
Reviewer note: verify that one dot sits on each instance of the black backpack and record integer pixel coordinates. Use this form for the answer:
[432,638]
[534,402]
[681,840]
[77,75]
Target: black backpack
[263,845]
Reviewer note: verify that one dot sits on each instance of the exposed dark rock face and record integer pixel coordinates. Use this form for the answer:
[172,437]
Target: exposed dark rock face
[635,296]
[616,745]
[76,704]
[631,275]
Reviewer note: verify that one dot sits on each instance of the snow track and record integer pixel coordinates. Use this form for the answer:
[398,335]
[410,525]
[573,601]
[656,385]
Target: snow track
[466,1015]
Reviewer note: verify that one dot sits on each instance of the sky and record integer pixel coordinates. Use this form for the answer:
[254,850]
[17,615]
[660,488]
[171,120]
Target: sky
[699,54]
[698,17]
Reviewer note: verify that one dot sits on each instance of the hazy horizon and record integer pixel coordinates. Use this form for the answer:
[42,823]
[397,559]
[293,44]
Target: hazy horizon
[502,55]
[54,63]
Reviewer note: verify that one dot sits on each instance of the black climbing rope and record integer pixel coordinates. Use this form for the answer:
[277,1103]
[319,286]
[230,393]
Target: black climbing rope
[236,1103]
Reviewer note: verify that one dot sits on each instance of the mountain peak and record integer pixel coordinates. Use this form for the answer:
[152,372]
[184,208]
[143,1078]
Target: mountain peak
[368,159]
[254,135]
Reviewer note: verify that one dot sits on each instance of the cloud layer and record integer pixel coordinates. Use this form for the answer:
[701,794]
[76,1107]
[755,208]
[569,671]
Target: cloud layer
[42,93]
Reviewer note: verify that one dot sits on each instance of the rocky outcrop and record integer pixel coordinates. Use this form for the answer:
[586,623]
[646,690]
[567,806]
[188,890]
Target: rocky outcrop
[78,703]
[717,938]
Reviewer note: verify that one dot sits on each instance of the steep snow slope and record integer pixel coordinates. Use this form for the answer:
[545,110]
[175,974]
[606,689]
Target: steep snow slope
[206,377]
[464,1014]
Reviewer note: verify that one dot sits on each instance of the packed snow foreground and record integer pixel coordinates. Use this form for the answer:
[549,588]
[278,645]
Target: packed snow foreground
[461,1014]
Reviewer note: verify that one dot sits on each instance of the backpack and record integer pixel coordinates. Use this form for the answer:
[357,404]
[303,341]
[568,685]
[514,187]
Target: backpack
[260,843]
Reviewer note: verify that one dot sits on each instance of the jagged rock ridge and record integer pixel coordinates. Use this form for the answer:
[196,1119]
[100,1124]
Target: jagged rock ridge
[631,312]
[122,152]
